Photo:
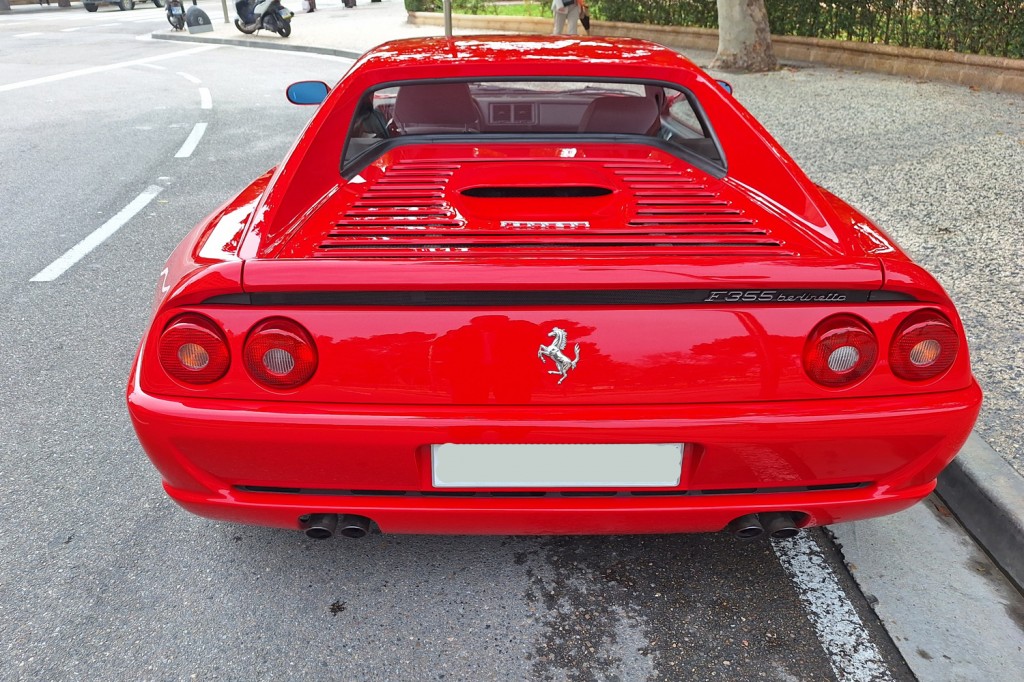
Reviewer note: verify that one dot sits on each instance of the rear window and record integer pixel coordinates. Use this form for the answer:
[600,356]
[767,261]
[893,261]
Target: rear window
[518,109]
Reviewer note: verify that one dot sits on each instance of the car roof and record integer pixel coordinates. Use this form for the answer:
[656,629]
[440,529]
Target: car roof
[504,56]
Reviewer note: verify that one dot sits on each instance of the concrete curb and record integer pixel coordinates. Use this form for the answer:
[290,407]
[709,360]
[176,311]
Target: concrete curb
[255,42]
[979,486]
[987,495]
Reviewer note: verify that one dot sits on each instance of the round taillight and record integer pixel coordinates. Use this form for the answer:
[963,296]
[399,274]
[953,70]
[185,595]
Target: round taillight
[193,350]
[841,350]
[280,354]
[924,347]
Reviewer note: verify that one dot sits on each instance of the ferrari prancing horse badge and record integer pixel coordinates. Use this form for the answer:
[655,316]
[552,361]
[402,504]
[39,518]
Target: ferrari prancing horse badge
[554,351]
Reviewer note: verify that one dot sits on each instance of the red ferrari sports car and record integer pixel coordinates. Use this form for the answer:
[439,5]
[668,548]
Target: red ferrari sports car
[544,285]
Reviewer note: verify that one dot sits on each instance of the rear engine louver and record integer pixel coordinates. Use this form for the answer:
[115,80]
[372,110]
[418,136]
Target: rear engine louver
[408,212]
[685,210]
[405,211]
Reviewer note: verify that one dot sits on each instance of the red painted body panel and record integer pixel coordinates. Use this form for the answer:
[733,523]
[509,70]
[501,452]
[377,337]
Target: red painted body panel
[718,365]
[673,355]
[895,447]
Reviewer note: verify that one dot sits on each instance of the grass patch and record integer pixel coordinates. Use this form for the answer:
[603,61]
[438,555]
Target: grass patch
[519,9]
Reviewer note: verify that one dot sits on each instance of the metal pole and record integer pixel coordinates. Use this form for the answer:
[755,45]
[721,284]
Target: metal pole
[447,18]
[224,6]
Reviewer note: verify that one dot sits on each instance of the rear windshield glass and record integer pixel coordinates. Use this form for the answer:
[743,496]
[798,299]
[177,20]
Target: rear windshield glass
[517,109]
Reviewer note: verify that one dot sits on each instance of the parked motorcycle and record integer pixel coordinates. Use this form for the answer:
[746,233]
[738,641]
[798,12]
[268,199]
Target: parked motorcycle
[270,15]
[175,14]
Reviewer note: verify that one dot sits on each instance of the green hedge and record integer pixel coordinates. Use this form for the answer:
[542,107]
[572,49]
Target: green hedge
[993,27]
[458,6]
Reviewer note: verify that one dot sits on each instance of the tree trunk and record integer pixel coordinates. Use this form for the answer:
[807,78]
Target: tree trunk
[744,38]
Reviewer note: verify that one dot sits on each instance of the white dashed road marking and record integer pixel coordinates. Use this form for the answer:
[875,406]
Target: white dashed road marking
[205,100]
[852,654]
[100,235]
[99,69]
[191,142]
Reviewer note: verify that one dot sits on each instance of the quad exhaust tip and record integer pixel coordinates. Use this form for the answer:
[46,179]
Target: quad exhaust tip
[746,527]
[778,525]
[353,526]
[325,526]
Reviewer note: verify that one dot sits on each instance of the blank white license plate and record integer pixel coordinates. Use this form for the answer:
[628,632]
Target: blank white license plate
[646,465]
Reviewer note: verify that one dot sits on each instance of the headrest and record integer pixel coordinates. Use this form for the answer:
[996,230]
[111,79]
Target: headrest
[436,107]
[620,114]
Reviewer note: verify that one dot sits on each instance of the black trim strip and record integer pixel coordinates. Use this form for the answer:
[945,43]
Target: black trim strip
[332,492]
[500,299]
[535,192]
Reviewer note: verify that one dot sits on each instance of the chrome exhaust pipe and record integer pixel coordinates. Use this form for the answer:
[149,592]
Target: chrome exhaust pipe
[320,526]
[746,527]
[353,526]
[779,525]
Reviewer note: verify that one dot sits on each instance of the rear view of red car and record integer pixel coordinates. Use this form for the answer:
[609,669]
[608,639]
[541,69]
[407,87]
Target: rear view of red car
[533,285]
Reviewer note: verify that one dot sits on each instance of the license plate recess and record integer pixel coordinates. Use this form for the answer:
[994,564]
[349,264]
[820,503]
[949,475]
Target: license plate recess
[608,465]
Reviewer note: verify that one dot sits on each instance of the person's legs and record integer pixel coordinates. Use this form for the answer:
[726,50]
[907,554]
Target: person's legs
[573,19]
[559,22]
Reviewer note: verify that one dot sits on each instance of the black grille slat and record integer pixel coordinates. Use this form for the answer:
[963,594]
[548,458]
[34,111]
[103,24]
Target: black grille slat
[333,492]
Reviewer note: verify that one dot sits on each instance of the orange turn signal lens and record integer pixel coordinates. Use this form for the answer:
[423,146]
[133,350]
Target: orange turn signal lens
[193,350]
[924,347]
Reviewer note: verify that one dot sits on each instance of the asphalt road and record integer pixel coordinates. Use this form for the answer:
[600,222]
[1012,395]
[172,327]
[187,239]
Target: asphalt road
[102,577]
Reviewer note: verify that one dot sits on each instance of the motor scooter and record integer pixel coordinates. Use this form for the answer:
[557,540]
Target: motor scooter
[270,15]
[175,14]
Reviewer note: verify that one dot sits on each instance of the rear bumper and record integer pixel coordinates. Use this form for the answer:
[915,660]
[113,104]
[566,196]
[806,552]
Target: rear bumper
[563,516]
[269,463]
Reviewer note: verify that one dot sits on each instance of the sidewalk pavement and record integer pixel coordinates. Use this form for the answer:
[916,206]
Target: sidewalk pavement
[982,489]
[332,29]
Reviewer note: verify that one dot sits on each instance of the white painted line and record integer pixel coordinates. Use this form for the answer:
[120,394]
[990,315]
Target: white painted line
[107,25]
[69,30]
[191,142]
[26,35]
[100,235]
[852,654]
[189,77]
[155,67]
[100,69]
[205,100]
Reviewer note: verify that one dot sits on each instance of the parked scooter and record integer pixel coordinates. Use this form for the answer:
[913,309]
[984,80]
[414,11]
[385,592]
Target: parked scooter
[175,14]
[270,15]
